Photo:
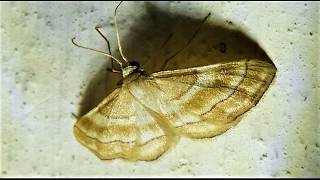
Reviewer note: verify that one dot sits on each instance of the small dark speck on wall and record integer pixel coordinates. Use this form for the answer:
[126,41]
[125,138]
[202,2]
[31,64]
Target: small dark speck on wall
[229,22]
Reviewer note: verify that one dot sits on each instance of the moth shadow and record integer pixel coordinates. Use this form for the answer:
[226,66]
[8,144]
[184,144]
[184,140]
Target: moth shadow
[158,34]
[102,84]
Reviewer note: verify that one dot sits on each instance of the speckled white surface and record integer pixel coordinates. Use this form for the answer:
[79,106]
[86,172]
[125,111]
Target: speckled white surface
[44,79]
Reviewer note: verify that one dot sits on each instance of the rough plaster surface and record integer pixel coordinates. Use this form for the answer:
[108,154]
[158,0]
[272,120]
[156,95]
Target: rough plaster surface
[44,78]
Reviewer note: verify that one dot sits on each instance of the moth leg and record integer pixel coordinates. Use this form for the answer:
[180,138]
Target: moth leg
[75,116]
[187,44]
[108,43]
[162,45]
[166,41]
[109,49]
[113,70]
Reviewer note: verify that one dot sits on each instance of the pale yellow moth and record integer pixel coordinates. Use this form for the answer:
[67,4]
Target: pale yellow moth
[144,117]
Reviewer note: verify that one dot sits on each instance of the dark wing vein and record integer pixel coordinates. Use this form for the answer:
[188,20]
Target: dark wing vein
[234,90]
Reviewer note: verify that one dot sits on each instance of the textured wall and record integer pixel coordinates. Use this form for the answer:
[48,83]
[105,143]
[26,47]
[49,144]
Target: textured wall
[44,78]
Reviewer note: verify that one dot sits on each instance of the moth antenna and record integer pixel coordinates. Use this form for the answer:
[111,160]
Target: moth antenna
[118,37]
[91,49]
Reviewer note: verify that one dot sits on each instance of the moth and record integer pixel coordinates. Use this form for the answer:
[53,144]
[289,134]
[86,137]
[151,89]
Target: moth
[148,113]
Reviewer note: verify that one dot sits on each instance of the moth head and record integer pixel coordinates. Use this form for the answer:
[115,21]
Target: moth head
[132,67]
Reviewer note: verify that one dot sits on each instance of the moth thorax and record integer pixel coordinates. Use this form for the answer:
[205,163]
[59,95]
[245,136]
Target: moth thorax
[128,70]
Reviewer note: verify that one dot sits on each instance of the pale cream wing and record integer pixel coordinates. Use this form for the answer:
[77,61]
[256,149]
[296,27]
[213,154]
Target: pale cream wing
[208,100]
[121,127]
